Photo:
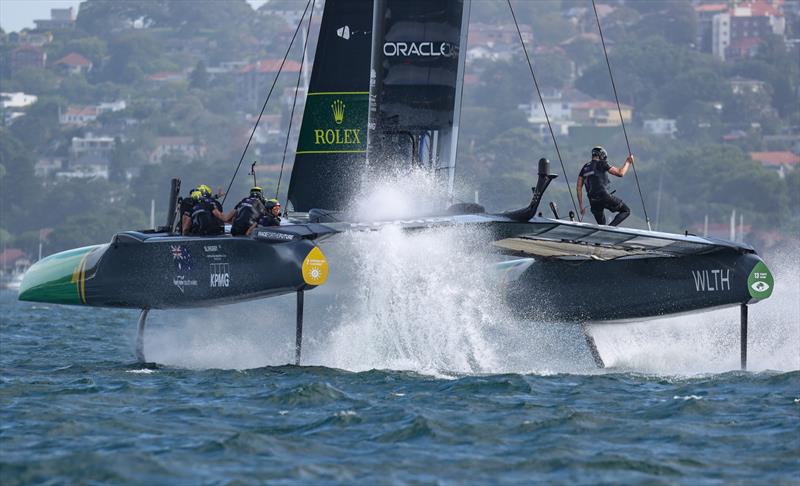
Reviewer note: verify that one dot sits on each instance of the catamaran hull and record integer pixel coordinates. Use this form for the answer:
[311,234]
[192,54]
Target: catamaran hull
[591,291]
[138,270]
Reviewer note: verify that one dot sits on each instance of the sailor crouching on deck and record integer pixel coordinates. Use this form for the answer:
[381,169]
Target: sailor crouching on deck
[594,175]
[248,211]
[272,216]
[205,217]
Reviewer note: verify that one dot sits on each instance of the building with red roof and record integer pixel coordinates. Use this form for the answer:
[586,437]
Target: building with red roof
[600,113]
[73,63]
[28,56]
[779,161]
[736,29]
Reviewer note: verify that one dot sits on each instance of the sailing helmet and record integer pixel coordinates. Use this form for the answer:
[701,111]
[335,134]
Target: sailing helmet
[255,191]
[195,194]
[600,152]
[204,190]
[271,203]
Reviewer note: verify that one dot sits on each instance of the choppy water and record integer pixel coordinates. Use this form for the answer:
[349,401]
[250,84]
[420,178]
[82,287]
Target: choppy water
[413,376]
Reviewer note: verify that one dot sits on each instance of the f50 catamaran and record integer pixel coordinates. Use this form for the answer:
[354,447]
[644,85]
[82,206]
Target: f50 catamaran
[385,93]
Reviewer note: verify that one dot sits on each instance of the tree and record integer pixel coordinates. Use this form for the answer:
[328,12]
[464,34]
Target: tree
[20,187]
[34,81]
[198,78]
[674,21]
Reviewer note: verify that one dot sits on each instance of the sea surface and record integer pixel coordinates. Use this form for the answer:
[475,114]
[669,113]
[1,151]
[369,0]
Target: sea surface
[410,387]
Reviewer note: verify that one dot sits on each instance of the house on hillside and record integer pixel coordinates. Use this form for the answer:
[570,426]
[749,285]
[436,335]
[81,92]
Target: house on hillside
[47,166]
[73,63]
[781,162]
[601,113]
[559,103]
[27,56]
[735,29]
[662,127]
[92,165]
[77,115]
[83,115]
[187,147]
[740,85]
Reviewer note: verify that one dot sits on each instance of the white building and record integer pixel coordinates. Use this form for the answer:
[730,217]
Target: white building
[661,127]
[82,115]
[91,144]
[17,100]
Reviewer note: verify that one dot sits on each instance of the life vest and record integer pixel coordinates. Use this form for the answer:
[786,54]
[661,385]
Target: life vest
[595,177]
[203,220]
[247,212]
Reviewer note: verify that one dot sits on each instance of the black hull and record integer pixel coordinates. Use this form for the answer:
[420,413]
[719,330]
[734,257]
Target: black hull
[593,291]
[160,271]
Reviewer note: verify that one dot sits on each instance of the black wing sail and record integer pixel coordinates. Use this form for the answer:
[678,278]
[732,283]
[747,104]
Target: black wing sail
[331,149]
[418,55]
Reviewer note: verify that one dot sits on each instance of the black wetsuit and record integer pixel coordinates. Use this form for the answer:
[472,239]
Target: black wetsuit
[203,220]
[595,179]
[268,219]
[248,211]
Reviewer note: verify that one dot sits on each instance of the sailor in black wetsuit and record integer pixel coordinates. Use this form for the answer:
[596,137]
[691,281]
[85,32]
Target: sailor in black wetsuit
[272,216]
[206,217]
[594,176]
[246,214]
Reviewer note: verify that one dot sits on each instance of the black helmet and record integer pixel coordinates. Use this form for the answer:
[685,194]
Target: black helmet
[600,152]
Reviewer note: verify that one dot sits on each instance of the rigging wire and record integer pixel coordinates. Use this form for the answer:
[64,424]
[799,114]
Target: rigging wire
[294,101]
[544,109]
[624,131]
[264,107]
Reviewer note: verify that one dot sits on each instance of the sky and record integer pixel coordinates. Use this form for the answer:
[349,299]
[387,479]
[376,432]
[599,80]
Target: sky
[16,15]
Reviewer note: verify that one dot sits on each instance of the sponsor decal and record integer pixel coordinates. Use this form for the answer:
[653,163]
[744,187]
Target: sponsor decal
[211,248]
[760,282]
[337,107]
[182,258]
[334,122]
[715,280]
[337,136]
[344,32]
[220,275]
[181,282]
[420,49]
[315,267]
[271,235]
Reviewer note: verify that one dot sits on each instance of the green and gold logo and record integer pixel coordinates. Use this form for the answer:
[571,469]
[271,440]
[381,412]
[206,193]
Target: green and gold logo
[337,107]
[334,122]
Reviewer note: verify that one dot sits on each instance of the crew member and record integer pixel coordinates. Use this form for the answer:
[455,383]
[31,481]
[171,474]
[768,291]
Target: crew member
[185,209]
[272,215]
[246,214]
[594,176]
[206,217]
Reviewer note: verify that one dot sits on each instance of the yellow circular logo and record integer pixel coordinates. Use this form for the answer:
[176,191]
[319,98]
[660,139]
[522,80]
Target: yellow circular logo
[315,267]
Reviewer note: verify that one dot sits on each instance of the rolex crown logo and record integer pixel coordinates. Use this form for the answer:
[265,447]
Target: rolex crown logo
[338,111]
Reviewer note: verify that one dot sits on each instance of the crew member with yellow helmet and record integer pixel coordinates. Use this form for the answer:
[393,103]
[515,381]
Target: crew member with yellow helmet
[205,217]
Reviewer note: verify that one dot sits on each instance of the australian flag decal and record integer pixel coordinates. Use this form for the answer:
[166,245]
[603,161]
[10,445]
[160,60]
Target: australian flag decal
[182,258]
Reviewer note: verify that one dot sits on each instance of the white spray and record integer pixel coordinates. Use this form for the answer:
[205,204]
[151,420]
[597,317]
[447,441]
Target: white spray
[429,301]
